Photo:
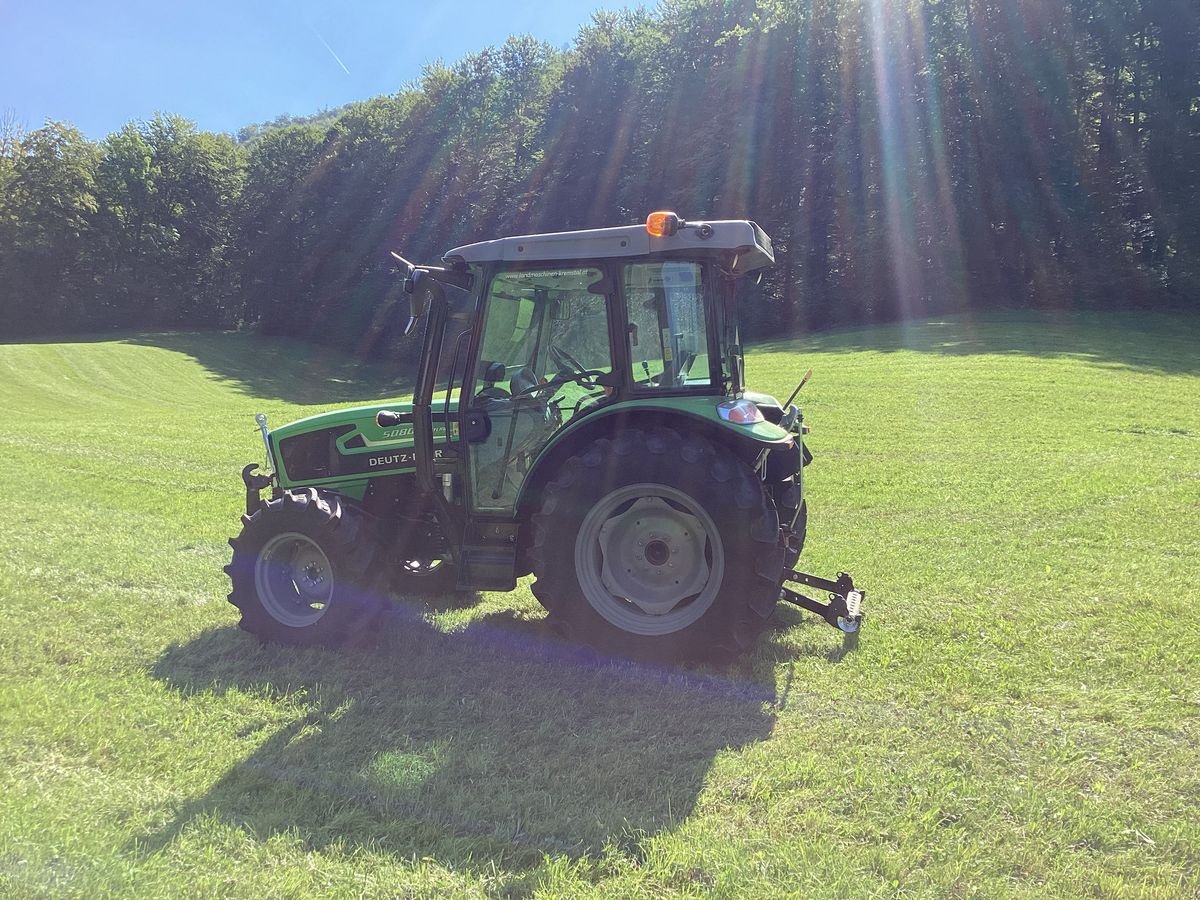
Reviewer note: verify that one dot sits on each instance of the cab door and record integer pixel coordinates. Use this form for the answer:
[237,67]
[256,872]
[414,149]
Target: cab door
[539,327]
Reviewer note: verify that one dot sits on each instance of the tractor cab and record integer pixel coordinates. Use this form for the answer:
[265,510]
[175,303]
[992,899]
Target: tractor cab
[576,323]
[560,339]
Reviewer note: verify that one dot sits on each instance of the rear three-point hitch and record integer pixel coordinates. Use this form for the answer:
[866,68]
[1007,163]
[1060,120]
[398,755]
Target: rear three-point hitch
[844,611]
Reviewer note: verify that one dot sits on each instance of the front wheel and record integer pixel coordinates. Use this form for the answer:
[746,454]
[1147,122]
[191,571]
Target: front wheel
[658,548]
[303,570]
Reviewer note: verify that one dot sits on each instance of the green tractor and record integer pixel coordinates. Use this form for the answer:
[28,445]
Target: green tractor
[579,415]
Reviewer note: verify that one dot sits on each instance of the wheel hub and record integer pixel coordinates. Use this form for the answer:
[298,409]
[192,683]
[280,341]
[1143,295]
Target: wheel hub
[657,552]
[654,555]
[314,574]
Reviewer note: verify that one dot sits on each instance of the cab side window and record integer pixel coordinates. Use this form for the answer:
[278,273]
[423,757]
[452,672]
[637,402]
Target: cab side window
[668,340]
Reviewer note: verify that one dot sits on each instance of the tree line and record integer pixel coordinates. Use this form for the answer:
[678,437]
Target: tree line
[908,157]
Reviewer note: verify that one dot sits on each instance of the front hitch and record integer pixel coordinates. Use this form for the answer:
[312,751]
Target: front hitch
[254,484]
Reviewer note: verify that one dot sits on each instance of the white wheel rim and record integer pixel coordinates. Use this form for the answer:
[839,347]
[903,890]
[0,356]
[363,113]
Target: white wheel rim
[294,579]
[649,559]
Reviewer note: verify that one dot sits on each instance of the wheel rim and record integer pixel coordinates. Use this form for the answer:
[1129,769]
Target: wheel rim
[294,579]
[649,559]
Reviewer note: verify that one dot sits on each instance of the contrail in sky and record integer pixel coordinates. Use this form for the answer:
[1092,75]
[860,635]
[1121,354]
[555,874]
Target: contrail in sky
[337,58]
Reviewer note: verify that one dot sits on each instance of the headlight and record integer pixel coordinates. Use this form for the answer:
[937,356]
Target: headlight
[740,412]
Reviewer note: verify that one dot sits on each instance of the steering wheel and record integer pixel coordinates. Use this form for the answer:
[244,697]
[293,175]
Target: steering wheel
[569,365]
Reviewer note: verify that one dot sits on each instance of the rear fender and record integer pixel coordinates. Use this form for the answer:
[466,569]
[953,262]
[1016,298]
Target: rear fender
[696,415]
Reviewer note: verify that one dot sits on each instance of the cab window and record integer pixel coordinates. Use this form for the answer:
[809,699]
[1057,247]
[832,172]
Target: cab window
[543,331]
[667,335]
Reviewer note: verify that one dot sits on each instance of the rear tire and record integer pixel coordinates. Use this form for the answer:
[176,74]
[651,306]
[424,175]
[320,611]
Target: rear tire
[303,571]
[658,548]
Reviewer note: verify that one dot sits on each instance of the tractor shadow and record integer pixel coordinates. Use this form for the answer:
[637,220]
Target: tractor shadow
[286,369]
[493,744]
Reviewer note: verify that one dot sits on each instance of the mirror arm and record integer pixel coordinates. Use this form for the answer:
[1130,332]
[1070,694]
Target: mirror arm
[415,279]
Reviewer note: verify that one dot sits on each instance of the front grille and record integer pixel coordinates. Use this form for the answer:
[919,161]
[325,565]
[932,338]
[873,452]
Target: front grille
[314,455]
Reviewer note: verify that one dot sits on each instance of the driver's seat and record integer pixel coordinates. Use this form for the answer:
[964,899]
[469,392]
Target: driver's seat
[523,379]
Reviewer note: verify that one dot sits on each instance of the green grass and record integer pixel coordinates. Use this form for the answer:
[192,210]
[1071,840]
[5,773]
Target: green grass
[1020,496]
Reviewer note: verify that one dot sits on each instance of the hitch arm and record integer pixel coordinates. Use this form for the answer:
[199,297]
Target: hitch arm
[844,609]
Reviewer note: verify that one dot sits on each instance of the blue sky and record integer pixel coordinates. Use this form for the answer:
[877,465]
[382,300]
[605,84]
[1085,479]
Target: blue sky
[225,64]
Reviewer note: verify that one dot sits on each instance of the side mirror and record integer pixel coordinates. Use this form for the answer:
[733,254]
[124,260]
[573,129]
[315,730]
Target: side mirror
[418,298]
[421,281]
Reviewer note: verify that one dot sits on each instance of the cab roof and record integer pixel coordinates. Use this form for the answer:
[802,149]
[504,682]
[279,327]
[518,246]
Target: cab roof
[743,242]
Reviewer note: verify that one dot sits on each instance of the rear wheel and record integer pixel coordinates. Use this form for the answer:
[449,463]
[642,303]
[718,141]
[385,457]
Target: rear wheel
[302,570]
[657,548]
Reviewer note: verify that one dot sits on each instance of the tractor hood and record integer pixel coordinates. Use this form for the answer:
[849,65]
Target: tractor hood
[350,443]
[355,415]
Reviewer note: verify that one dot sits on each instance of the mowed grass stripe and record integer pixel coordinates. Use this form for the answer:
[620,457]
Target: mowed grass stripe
[1018,495]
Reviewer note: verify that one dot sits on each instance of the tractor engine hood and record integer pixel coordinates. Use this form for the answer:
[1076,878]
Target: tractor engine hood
[355,416]
[351,443]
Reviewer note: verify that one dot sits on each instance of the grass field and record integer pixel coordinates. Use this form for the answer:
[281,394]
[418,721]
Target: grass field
[1019,495]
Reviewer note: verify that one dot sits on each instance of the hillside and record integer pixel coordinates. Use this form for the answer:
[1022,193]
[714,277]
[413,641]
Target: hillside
[1018,494]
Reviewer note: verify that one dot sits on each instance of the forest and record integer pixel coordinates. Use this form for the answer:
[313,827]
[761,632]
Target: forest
[908,158]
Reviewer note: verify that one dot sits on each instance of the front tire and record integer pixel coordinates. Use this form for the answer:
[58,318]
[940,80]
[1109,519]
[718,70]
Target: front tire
[303,570]
[658,548]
